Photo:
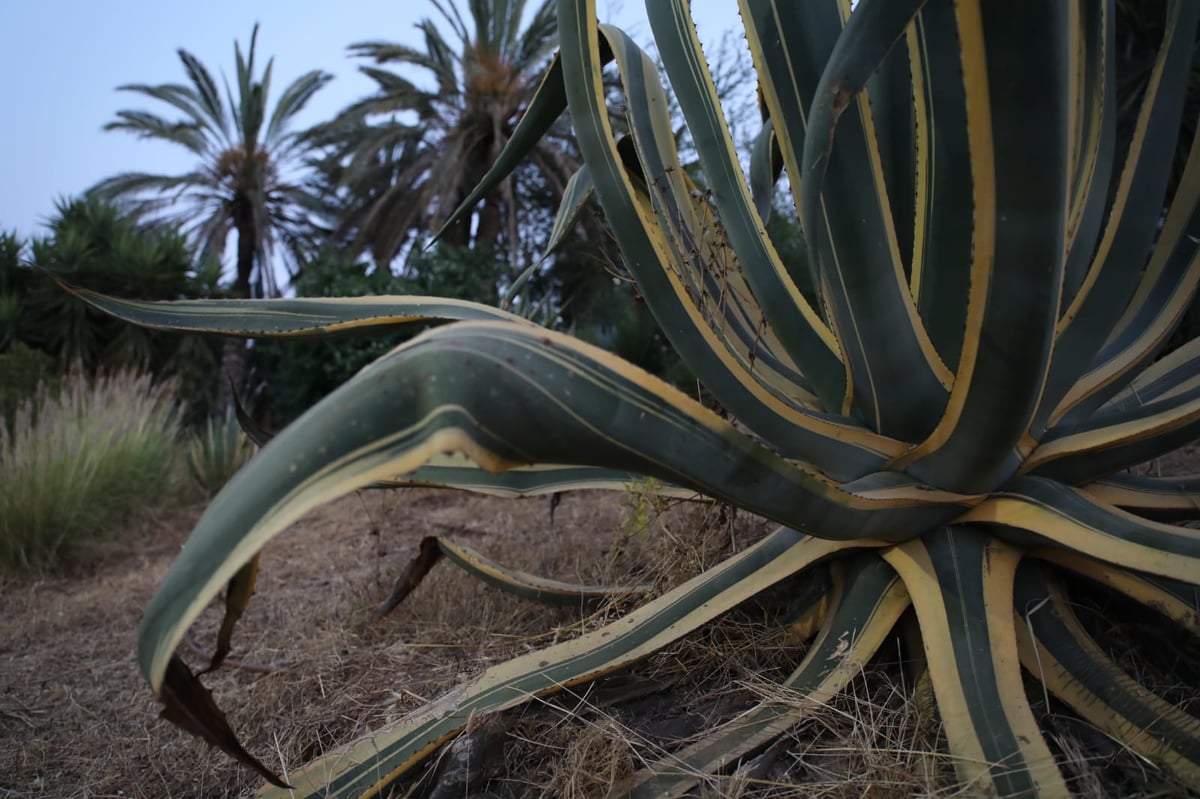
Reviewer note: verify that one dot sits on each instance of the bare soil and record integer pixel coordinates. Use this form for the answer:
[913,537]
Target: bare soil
[313,670]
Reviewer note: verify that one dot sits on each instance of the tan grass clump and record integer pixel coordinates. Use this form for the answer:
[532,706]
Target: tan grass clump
[73,461]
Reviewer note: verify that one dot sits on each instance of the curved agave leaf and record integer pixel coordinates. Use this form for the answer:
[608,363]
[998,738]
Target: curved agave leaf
[789,45]
[943,215]
[551,399]
[868,602]
[1164,294]
[1161,498]
[649,250]
[1093,113]
[1042,512]
[1086,321]
[373,762]
[1020,207]
[511,581]
[800,328]
[1176,600]
[897,373]
[766,165]
[576,196]
[530,586]
[1117,439]
[1168,376]
[961,584]
[457,470]
[1055,648]
[649,246]
[278,318]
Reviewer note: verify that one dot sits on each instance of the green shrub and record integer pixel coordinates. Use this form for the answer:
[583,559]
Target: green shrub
[217,451]
[72,461]
[22,370]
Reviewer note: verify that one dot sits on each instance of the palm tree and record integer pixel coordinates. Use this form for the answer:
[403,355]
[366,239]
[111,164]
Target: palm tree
[244,177]
[408,154]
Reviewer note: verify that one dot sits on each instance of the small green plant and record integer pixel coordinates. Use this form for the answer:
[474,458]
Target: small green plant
[73,460]
[217,451]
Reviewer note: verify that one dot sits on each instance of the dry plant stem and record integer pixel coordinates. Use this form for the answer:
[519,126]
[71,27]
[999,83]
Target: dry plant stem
[427,557]
[190,643]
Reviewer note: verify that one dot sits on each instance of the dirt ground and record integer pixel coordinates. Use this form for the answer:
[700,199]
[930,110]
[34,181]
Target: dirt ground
[313,670]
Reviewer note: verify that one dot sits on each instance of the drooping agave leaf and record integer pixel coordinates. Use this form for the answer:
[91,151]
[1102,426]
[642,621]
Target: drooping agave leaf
[511,581]
[553,399]
[456,470]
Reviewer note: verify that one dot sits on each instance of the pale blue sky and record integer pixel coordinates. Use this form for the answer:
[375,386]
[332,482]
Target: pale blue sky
[61,61]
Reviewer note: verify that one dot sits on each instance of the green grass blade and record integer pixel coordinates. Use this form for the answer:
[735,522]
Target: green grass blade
[961,583]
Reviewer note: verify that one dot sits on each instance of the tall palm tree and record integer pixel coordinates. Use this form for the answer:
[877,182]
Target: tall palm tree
[408,154]
[244,179]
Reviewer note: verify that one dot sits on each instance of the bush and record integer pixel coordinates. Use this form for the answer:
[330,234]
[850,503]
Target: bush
[72,461]
[217,451]
[22,370]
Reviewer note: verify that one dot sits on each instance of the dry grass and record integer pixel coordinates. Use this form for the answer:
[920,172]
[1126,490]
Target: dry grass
[73,461]
[77,721]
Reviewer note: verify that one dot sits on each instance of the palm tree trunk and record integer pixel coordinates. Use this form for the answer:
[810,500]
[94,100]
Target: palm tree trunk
[233,354]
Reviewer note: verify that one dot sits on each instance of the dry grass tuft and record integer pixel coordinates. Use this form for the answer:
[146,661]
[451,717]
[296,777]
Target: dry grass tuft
[74,460]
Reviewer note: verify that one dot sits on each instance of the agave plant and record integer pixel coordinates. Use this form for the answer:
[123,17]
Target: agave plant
[216,451]
[947,420]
